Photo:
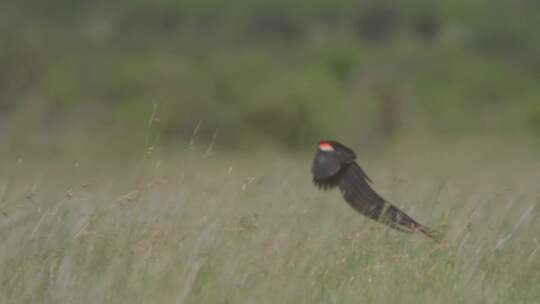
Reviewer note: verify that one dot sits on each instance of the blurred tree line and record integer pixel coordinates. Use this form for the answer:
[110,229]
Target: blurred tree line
[283,71]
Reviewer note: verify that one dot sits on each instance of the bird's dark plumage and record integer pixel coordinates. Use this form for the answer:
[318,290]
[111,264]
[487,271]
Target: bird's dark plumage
[335,166]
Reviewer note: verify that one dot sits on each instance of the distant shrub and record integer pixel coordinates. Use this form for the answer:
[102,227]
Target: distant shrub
[534,117]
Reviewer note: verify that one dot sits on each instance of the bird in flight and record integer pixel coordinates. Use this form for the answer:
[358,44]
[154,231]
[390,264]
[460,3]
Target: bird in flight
[335,166]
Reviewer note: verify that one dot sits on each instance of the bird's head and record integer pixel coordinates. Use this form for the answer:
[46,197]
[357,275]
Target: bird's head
[339,151]
[330,158]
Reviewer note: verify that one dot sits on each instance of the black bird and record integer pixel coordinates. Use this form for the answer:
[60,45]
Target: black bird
[335,166]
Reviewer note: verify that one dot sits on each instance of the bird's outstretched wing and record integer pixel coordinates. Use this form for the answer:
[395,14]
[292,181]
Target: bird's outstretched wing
[354,186]
[325,166]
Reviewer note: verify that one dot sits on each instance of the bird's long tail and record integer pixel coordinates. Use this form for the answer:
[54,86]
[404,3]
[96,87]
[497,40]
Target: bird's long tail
[357,192]
[431,233]
[399,220]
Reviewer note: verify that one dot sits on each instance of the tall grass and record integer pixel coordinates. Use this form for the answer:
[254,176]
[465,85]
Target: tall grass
[221,229]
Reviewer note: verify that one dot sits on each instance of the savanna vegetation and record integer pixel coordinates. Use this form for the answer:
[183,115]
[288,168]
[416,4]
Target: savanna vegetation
[159,151]
[224,229]
[285,72]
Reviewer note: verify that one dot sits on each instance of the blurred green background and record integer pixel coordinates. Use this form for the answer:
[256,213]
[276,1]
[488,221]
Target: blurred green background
[246,73]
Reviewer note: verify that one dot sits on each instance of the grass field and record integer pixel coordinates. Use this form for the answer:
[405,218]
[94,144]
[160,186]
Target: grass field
[226,229]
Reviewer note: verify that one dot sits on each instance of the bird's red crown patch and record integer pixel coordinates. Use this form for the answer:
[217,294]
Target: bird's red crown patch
[324,146]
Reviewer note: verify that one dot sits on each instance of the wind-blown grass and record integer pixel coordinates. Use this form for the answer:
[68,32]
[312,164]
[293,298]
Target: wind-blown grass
[216,230]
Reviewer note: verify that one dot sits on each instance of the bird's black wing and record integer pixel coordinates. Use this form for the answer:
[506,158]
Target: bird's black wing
[325,165]
[356,190]
[328,168]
